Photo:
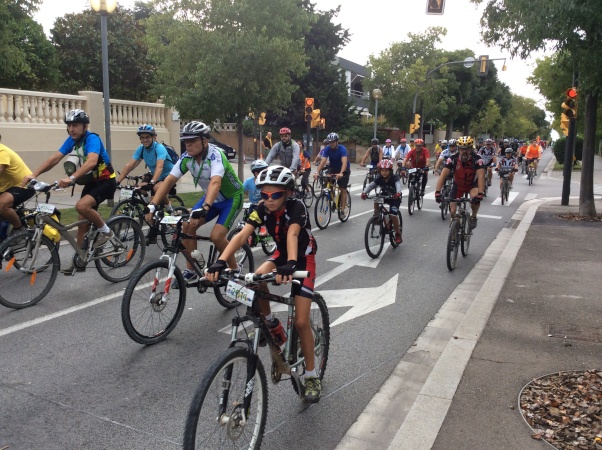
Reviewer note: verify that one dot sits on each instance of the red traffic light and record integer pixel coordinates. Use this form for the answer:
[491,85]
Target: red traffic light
[571,93]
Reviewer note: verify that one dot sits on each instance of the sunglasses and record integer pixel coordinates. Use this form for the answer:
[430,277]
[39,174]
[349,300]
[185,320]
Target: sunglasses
[284,135]
[272,195]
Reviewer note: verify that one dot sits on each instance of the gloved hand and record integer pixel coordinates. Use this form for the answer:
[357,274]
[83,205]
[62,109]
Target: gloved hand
[477,199]
[397,195]
[438,197]
[217,267]
[199,213]
[287,269]
[363,196]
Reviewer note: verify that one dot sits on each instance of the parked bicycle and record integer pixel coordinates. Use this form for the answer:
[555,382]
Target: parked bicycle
[379,226]
[229,408]
[30,259]
[415,195]
[267,242]
[151,306]
[459,232]
[329,201]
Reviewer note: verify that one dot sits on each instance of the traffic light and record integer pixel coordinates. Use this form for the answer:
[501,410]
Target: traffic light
[483,66]
[309,107]
[569,106]
[322,123]
[435,6]
[416,125]
[315,118]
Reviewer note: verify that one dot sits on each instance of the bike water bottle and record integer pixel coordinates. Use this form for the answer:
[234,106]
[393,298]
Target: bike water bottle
[277,332]
[199,258]
[3,229]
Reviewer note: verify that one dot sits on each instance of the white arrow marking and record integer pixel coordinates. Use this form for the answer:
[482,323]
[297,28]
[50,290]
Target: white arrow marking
[511,196]
[357,258]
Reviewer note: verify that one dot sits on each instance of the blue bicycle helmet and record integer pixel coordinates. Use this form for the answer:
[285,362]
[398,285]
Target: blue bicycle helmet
[146,129]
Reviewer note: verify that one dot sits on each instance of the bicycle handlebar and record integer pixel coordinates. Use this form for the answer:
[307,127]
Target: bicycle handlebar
[254,277]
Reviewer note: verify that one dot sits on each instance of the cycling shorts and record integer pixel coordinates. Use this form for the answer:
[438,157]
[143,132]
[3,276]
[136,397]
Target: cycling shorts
[20,195]
[100,190]
[225,211]
[307,262]
[459,191]
[395,203]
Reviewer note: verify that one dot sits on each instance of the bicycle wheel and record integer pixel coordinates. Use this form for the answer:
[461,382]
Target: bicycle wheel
[176,201]
[322,211]
[411,193]
[167,231]
[452,245]
[320,326]
[123,253]
[246,262]
[466,233]
[268,245]
[507,185]
[419,200]
[503,194]
[346,211]
[374,237]
[530,176]
[317,187]
[148,313]
[215,416]
[392,232]
[26,276]
[131,208]
[404,177]
[308,196]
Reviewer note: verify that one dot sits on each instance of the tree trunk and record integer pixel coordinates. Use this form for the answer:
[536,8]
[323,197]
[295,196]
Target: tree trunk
[449,129]
[467,130]
[587,206]
[241,151]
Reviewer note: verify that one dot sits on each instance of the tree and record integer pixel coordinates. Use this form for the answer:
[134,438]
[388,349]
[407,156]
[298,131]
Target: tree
[76,38]
[27,58]
[226,58]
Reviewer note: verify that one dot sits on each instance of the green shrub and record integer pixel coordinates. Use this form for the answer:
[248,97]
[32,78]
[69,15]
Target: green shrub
[560,144]
[361,135]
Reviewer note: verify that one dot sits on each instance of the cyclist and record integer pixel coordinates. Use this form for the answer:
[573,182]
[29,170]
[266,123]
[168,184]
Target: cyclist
[507,162]
[487,154]
[339,164]
[388,150]
[211,170]
[287,221]
[12,172]
[304,165]
[444,146]
[533,153]
[157,160]
[287,150]
[412,146]
[521,151]
[251,190]
[451,150]
[419,158]
[374,152]
[88,164]
[321,152]
[390,185]
[468,171]
[401,152]
[438,148]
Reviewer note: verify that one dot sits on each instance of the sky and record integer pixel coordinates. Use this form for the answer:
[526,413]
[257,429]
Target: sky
[376,24]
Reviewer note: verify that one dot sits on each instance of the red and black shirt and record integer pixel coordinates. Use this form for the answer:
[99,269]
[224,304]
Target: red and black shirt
[464,173]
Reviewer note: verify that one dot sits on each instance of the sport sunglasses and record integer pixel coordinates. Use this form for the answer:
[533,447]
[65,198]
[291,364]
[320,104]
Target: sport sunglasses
[273,195]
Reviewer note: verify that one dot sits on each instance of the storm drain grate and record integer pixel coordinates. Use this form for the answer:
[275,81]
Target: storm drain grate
[575,333]
[513,223]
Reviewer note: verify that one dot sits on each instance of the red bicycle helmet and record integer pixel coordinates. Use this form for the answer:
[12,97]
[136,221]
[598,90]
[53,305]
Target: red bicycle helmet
[385,164]
[418,141]
[285,131]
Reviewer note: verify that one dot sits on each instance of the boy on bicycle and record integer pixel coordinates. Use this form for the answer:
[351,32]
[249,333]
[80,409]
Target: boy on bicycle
[509,164]
[287,221]
[389,185]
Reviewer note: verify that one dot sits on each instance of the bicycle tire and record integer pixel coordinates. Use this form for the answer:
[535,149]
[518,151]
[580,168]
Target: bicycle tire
[167,231]
[507,191]
[205,427]
[322,211]
[374,237]
[320,324]
[419,200]
[117,268]
[466,233]
[343,217]
[308,196]
[317,187]
[392,232]
[404,178]
[178,199]
[530,177]
[157,318]
[20,288]
[131,208]
[268,245]
[246,262]
[503,194]
[452,245]
[411,193]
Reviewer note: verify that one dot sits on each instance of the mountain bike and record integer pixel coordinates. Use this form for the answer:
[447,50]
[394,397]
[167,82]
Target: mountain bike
[415,197]
[152,306]
[459,232]
[229,408]
[530,171]
[319,183]
[370,176]
[267,242]
[328,201]
[30,260]
[379,226]
[505,189]
[306,195]
[402,172]
[445,193]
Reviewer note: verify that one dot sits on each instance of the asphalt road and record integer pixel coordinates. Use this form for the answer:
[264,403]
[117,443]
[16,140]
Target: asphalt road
[71,378]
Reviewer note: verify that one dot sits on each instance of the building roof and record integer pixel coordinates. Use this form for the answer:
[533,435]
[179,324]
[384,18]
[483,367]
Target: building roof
[351,66]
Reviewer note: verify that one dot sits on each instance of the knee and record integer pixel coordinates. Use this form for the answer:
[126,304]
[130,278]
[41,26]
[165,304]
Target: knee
[301,323]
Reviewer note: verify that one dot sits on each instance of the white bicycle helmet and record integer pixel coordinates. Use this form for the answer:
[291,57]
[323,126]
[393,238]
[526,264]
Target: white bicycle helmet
[193,130]
[77,116]
[258,164]
[276,176]
[332,137]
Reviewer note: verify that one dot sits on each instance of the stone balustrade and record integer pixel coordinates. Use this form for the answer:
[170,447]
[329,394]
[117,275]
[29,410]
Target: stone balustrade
[36,107]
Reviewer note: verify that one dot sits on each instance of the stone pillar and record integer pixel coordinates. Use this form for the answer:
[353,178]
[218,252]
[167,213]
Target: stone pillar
[94,107]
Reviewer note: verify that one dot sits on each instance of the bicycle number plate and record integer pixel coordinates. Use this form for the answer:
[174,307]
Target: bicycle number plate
[126,194]
[171,220]
[239,293]
[45,208]
[246,205]
[413,170]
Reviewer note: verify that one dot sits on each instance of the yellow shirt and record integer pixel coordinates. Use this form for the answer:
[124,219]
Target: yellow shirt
[14,169]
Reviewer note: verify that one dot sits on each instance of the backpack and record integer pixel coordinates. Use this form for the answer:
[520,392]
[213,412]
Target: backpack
[171,152]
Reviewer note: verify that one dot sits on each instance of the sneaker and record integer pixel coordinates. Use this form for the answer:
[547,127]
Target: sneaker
[190,277]
[102,239]
[313,389]
[473,223]
[398,239]
[69,269]
[263,231]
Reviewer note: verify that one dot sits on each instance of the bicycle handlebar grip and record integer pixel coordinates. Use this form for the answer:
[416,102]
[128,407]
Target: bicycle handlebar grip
[301,274]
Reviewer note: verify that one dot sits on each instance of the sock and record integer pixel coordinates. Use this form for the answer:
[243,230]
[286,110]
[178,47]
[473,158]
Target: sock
[310,373]
[104,229]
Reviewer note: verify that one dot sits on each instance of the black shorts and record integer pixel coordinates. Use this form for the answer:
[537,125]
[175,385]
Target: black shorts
[308,262]
[343,182]
[100,190]
[20,195]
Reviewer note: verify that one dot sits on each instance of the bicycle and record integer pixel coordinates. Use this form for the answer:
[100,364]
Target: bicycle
[230,405]
[505,190]
[319,183]
[149,313]
[31,259]
[267,242]
[22,212]
[379,226]
[306,195]
[530,171]
[415,197]
[328,201]
[370,176]
[459,232]
[402,172]
[445,193]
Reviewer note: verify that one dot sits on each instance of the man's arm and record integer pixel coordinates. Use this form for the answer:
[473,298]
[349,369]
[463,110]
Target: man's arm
[272,154]
[131,165]
[441,179]
[343,165]
[158,170]
[164,188]
[45,167]
[215,185]
[295,162]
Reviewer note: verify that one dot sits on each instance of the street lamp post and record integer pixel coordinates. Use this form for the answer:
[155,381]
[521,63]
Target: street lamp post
[377,94]
[105,7]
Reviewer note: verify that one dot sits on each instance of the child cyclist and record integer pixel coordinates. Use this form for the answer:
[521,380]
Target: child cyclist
[251,189]
[389,185]
[287,221]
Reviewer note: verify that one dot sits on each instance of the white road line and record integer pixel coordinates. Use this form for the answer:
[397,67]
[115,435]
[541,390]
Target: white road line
[530,196]
[438,211]
[511,196]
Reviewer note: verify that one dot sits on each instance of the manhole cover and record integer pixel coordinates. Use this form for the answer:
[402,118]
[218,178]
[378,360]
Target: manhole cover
[575,333]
